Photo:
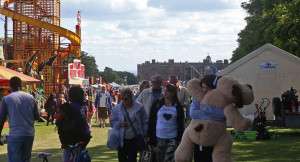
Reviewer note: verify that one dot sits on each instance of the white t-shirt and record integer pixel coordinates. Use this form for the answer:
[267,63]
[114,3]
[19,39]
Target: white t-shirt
[166,124]
[103,100]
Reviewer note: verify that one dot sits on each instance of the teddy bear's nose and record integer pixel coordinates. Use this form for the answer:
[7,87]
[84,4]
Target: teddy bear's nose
[199,128]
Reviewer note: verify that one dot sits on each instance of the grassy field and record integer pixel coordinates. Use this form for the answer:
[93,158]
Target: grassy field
[46,140]
[285,147]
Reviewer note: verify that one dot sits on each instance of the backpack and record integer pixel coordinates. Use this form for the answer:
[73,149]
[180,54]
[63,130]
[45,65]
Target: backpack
[69,128]
[83,157]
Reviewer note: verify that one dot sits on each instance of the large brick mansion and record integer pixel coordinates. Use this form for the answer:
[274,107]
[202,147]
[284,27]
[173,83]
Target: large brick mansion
[184,70]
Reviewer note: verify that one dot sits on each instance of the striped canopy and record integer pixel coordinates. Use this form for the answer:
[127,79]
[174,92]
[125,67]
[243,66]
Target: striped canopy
[6,74]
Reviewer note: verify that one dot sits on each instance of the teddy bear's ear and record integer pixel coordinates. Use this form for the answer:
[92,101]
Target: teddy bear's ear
[238,96]
[194,89]
[248,95]
[243,95]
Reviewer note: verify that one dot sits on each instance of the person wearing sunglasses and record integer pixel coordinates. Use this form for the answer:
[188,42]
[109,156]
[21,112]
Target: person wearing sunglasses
[148,96]
[130,118]
[208,83]
[166,125]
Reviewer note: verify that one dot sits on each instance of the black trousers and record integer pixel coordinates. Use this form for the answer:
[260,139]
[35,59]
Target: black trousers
[129,151]
[205,155]
[52,117]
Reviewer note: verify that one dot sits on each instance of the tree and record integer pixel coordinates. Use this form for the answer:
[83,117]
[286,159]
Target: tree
[270,21]
[65,61]
[109,75]
[91,68]
[131,79]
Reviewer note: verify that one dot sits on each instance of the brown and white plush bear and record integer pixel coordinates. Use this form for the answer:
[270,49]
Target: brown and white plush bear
[220,104]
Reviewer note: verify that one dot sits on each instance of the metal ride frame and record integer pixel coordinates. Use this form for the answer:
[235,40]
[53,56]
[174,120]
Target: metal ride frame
[36,27]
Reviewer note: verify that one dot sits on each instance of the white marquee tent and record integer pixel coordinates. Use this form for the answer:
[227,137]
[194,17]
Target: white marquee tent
[271,71]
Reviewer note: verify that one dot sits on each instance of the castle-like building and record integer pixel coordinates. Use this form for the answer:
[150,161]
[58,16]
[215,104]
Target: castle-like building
[184,70]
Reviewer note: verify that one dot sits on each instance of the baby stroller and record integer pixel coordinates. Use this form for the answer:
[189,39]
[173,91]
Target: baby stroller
[259,122]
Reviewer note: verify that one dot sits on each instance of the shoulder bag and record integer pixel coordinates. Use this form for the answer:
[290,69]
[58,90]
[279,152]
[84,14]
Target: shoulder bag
[146,154]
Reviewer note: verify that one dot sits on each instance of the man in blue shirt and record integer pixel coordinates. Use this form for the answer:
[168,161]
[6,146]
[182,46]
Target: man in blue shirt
[21,109]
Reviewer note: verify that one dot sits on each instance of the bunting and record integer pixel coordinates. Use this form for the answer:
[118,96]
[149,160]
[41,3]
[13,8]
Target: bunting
[48,62]
[29,64]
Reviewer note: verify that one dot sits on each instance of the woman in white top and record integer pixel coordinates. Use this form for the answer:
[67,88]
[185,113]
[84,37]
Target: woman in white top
[166,125]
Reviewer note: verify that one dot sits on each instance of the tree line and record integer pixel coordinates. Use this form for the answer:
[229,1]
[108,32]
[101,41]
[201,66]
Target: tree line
[108,75]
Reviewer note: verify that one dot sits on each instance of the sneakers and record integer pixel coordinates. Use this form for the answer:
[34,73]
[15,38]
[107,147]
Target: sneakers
[102,125]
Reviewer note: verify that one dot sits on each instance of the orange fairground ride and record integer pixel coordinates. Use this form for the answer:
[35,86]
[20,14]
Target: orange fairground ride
[36,27]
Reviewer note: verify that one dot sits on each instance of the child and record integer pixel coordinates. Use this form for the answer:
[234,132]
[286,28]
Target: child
[90,113]
[61,100]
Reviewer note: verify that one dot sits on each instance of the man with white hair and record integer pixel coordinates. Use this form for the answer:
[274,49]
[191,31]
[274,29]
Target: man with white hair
[102,103]
[152,94]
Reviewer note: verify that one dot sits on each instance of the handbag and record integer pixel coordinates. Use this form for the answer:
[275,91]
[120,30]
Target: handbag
[141,142]
[146,155]
[113,139]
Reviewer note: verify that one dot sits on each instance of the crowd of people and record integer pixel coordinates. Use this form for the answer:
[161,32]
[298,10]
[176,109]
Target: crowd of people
[156,113]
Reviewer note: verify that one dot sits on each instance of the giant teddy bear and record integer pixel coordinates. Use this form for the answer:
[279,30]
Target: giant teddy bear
[225,99]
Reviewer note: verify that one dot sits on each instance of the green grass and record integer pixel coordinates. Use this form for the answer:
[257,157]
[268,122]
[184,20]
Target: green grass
[46,140]
[284,147]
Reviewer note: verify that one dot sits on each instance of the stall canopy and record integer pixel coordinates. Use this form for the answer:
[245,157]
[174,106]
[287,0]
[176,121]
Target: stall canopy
[6,74]
[114,84]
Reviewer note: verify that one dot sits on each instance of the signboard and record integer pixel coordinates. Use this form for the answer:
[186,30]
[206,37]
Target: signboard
[268,65]
[76,70]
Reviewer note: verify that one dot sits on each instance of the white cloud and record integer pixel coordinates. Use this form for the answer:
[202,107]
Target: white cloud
[108,26]
[124,33]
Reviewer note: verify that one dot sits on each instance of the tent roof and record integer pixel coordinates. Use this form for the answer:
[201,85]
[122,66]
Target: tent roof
[255,53]
[6,74]
[114,84]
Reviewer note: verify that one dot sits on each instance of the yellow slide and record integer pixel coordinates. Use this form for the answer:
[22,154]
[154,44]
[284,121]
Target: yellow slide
[73,37]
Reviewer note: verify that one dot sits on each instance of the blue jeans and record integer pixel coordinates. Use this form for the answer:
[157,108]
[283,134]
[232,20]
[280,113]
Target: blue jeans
[66,155]
[19,148]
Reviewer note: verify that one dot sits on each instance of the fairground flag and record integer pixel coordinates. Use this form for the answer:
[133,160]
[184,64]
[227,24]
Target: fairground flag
[100,80]
[29,63]
[48,62]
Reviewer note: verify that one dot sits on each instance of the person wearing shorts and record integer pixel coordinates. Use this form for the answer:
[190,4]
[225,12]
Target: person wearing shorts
[103,104]
[102,114]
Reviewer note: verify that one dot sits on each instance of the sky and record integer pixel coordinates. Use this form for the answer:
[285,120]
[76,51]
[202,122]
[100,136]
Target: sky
[123,33]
